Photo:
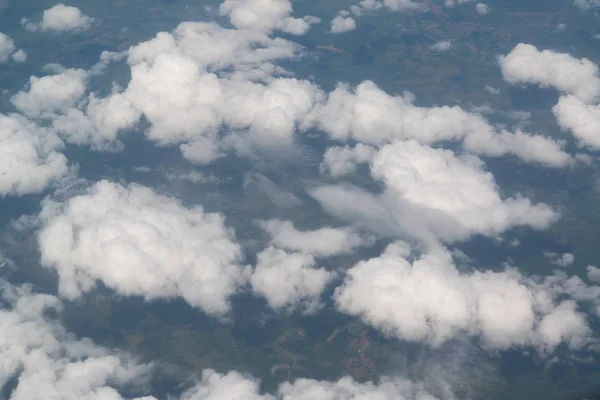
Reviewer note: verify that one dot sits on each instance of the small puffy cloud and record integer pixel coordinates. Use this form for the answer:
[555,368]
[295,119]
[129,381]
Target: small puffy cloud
[563,260]
[482,8]
[392,5]
[322,242]
[8,50]
[49,362]
[526,64]
[61,18]
[140,243]
[289,280]
[339,161]
[429,300]
[265,16]
[491,90]
[30,160]
[51,94]
[444,45]
[593,273]
[341,24]
[369,115]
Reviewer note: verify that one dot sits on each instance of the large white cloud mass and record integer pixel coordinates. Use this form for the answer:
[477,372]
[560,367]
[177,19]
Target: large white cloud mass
[429,300]
[432,194]
[369,115]
[30,160]
[140,243]
[61,18]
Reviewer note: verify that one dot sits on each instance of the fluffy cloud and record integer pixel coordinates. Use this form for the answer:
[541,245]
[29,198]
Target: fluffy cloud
[323,242]
[61,18]
[593,273]
[339,161]
[140,243]
[341,24]
[289,280]
[392,5]
[8,50]
[582,119]
[431,194]
[526,64]
[586,4]
[482,8]
[265,16]
[49,362]
[52,93]
[429,300]
[371,116]
[30,159]
[444,45]
[194,84]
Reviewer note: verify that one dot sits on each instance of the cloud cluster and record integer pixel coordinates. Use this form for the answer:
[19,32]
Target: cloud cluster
[429,300]
[140,243]
[60,18]
[369,115]
[577,109]
[8,50]
[431,195]
[48,362]
[343,23]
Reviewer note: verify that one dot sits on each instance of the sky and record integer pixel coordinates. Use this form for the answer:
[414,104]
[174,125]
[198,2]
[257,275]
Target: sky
[356,171]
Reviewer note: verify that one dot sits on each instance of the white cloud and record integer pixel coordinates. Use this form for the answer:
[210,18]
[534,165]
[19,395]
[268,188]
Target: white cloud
[526,64]
[341,24]
[482,8]
[289,280]
[49,362]
[339,161]
[30,160]
[392,5]
[50,94]
[9,51]
[431,194]
[564,260]
[61,18]
[429,300]
[194,84]
[265,16]
[593,273]
[371,116]
[322,242]
[582,119]
[140,243]
[491,90]
[444,45]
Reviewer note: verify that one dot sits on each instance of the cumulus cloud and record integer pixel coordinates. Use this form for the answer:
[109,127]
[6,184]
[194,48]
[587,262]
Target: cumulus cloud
[392,5]
[265,16]
[193,86]
[48,95]
[482,8]
[593,273]
[371,116]
[563,260]
[140,243]
[8,50]
[31,160]
[49,362]
[322,242]
[586,4]
[339,161]
[341,24]
[526,64]
[289,280]
[581,119]
[432,194]
[429,300]
[60,18]
[444,45]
